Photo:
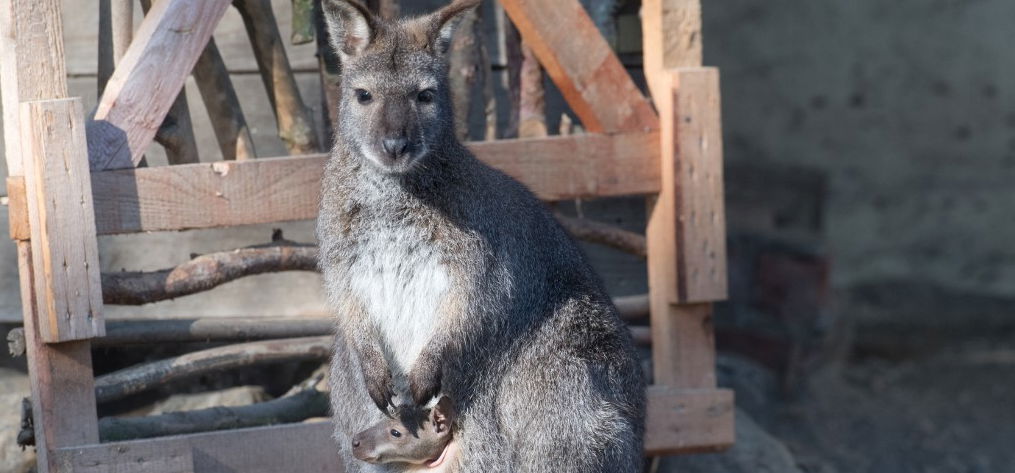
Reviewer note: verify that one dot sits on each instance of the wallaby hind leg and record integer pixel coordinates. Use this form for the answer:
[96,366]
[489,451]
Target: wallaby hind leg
[351,407]
[563,418]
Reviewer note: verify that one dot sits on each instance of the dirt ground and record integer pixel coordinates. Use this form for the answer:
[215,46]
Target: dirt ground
[950,412]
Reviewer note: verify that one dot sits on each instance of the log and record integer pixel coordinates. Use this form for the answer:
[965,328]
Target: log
[305,404]
[465,69]
[176,134]
[513,57]
[604,234]
[223,105]
[116,28]
[138,378]
[329,68]
[532,97]
[302,22]
[127,332]
[295,126]
[205,272]
[16,342]
[630,307]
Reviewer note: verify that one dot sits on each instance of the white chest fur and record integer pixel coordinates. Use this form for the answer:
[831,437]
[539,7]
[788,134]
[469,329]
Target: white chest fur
[401,283]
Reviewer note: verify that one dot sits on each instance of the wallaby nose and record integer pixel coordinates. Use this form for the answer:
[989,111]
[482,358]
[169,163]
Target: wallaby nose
[355,443]
[395,146]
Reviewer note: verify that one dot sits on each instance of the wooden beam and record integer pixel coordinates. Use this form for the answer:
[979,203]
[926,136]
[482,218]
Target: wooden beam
[59,194]
[280,189]
[148,79]
[688,421]
[671,34]
[116,28]
[307,447]
[133,457]
[679,421]
[31,51]
[582,65]
[223,105]
[17,209]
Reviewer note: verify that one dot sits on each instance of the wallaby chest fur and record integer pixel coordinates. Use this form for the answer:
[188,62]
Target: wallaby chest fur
[449,277]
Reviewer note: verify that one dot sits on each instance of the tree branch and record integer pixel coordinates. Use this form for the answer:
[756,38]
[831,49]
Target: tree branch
[605,234]
[138,378]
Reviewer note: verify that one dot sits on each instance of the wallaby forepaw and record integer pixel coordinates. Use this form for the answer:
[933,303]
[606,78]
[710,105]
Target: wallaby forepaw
[381,392]
[424,384]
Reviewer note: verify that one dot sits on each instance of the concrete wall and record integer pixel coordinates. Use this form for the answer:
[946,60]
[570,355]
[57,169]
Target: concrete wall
[908,105]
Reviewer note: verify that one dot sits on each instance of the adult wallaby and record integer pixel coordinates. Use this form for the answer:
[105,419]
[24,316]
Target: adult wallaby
[449,277]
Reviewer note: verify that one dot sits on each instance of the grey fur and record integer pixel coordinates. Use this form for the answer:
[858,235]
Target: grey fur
[507,317]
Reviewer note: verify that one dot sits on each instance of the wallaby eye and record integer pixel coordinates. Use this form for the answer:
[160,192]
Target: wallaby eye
[395,433]
[364,97]
[425,96]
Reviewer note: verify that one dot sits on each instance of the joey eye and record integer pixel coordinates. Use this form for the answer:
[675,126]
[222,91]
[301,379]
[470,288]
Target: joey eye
[425,96]
[395,433]
[363,97]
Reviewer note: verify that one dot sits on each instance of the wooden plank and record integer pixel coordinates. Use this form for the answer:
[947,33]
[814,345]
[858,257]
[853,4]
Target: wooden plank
[148,79]
[679,421]
[280,189]
[63,390]
[582,65]
[671,36]
[31,54]
[65,249]
[134,457]
[17,209]
[688,421]
[304,448]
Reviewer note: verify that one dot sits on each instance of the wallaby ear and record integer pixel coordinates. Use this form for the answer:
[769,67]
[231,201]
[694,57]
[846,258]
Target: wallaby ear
[351,26]
[442,415]
[445,20]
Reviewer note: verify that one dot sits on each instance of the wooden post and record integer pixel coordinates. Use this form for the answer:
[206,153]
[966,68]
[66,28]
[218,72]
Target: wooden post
[686,230]
[116,27]
[62,220]
[31,50]
[223,105]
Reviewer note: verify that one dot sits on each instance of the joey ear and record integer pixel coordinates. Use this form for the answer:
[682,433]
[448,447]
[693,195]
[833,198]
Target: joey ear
[444,21]
[442,415]
[351,26]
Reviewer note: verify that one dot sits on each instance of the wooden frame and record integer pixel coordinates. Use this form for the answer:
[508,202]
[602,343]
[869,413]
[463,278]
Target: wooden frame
[672,154]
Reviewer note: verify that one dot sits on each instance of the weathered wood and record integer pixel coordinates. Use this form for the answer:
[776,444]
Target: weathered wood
[304,448]
[16,344]
[295,126]
[281,189]
[604,234]
[136,457]
[59,196]
[582,65]
[679,421]
[632,307]
[687,223]
[465,72]
[688,421]
[116,28]
[205,272]
[176,135]
[305,404]
[31,51]
[302,21]
[138,378]
[671,36]
[224,110]
[532,97]
[148,79]
[61,379]
[17,209]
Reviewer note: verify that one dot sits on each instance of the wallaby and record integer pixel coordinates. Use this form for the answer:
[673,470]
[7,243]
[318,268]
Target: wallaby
[448,276]
[414,436]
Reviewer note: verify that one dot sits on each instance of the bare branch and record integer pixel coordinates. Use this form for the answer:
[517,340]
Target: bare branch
[605,234]
[135,379]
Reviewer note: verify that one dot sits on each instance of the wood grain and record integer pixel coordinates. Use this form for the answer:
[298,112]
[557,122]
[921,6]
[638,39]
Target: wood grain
[688,420]
[148,79]
[223,105]
[59,195]
[582,65]
[17,209]
[304,448]
[679,421]
[671,34]
[281,189]
[132,457]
